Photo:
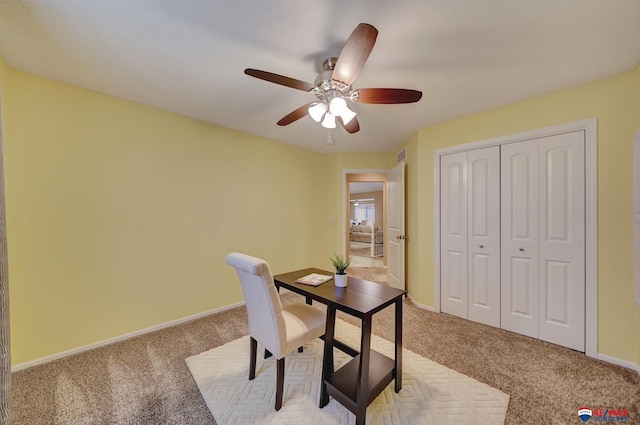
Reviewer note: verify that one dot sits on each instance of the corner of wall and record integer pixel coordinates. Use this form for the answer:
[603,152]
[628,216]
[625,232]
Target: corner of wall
[4,71]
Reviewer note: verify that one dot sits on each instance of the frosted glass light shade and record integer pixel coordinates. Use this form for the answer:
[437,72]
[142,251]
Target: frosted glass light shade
[338,106]
[347,115]
[329,120]
[317,111]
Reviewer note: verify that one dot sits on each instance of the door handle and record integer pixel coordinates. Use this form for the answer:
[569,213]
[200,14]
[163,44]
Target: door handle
[521,249]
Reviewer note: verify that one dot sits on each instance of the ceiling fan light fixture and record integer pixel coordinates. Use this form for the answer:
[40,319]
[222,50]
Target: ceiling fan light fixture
[329,120]
[317,111]
[347,115]
[333,86]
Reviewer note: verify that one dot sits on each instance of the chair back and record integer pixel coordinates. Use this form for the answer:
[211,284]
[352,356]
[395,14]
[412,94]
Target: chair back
[266,323]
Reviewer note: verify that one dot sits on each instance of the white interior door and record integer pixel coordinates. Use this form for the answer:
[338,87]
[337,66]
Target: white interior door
[562,240]
[519,247]
[453,234]
[483,201]
[543,239]
[395,231]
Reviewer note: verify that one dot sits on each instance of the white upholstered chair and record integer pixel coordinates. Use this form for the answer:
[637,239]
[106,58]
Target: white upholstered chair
[280,329]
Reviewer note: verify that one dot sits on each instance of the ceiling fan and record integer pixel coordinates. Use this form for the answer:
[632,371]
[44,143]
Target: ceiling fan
[332,87]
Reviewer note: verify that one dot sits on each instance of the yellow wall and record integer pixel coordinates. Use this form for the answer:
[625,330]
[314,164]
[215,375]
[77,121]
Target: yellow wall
[4,72]
[615,102]
[120,215]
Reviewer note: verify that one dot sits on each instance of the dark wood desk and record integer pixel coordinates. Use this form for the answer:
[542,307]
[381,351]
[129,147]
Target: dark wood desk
[357,383]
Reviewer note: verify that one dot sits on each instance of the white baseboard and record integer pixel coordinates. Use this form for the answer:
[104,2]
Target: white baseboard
[421,306]
[102,343]
[619,362]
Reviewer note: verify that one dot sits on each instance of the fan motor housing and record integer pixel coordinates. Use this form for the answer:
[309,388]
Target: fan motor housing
[325,86]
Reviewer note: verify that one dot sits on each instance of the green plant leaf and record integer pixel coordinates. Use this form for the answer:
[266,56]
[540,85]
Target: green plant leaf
[340,263]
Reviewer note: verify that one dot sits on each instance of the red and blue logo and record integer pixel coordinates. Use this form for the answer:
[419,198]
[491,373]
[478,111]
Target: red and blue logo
[603,415]
[585,414]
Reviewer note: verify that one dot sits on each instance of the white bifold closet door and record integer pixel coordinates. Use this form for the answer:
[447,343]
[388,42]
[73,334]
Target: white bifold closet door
[543,239]
[470,235]
[453,234]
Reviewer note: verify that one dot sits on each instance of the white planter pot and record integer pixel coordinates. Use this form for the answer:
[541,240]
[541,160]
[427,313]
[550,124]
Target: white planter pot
[341,280]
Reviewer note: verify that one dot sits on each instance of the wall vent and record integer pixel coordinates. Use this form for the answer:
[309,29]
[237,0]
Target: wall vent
[402,155]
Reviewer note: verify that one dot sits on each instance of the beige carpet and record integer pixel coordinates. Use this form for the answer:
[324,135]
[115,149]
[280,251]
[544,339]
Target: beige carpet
[145,380]
[359,245]
[361,249]
[431,393]
[364,252]
[372,274]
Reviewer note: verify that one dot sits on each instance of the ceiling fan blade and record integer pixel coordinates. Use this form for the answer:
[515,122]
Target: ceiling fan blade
[352,126]
[279,79]
[388,96]
[296,115]
[354,54]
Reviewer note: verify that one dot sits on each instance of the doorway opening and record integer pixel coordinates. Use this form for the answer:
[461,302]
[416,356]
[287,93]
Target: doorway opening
[365,223]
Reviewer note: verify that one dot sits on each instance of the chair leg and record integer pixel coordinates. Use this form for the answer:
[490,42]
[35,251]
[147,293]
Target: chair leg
[253,348]
[279,383]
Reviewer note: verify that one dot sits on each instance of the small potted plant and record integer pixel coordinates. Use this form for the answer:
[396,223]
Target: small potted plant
[341,265]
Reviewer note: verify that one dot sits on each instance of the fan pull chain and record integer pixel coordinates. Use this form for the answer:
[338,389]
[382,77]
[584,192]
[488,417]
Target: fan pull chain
[329,140]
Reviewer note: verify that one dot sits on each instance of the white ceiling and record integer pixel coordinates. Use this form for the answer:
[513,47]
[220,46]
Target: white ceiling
[188,56]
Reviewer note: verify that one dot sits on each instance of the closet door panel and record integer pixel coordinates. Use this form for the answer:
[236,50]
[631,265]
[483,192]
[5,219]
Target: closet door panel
[484,235]
[521,304]
[562,240]
[453,234]
[479,282]
[519,237]
[556,291]
[454,273]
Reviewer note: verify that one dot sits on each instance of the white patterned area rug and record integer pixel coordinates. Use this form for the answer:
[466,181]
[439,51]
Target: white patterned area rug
[431,393]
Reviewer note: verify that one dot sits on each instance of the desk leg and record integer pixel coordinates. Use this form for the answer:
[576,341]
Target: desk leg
[363,374]
[398,344]
[327,362]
